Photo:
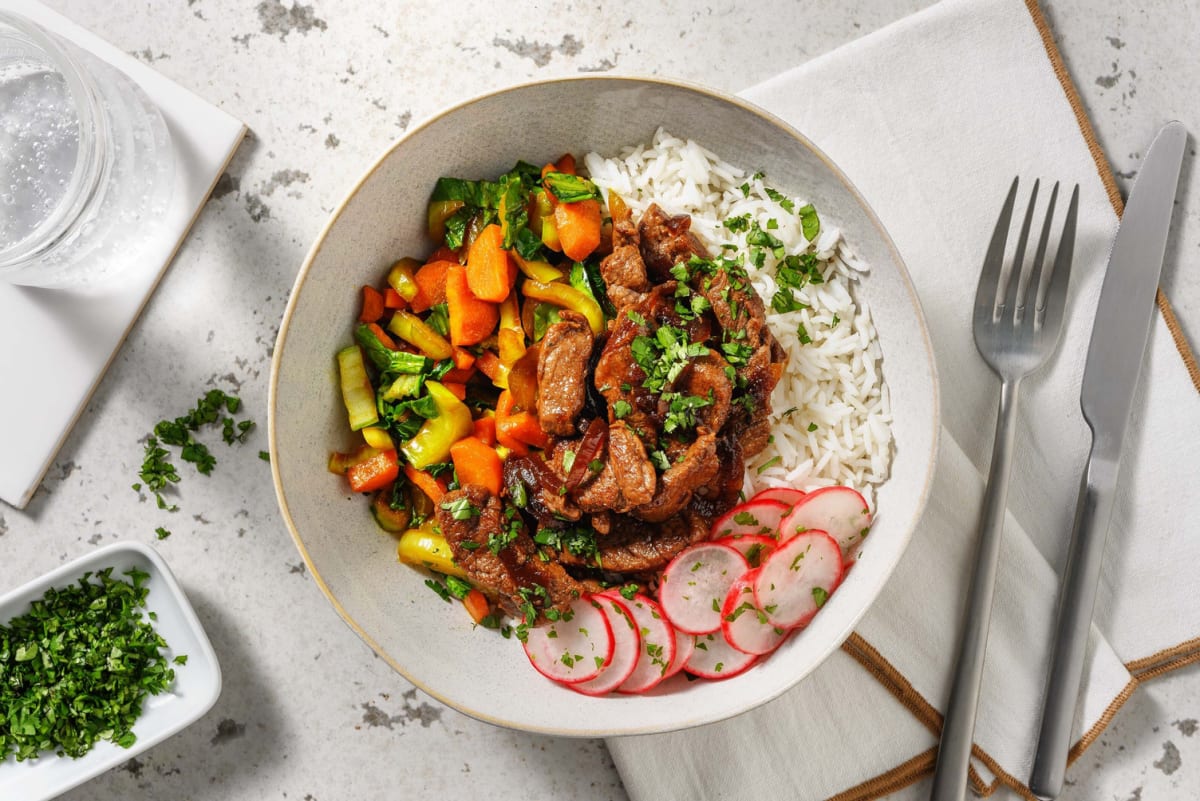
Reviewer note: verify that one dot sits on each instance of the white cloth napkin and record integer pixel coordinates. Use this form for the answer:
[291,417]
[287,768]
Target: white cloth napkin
[931,118]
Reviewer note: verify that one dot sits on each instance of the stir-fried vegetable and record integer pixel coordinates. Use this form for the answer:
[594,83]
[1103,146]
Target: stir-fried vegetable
[442,378]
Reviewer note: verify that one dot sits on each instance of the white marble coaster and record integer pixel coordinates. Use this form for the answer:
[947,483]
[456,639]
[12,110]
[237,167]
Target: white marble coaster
[54,344]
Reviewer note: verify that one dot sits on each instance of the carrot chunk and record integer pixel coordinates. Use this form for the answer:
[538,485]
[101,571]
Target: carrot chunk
[435,488]
[471,320]
[431,285]
[372,305]
[476,604]
[476,462]
[485,429]
[578,226]
[490,272]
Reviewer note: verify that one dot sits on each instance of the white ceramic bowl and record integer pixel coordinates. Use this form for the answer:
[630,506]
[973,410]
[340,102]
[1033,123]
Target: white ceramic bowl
[433,643]
[196,688]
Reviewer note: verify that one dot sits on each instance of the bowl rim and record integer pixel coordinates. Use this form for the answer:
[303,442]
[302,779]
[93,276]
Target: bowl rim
[335,216]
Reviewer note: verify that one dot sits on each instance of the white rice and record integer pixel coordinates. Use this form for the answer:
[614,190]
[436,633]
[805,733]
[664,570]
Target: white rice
[832,385]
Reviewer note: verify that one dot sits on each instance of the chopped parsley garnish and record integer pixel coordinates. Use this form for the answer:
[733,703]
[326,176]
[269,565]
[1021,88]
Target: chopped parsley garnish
[461,509]
[810,223]
[162,533]
[213,408]
[629,591]
[77,667]
[820,596]
[621,408]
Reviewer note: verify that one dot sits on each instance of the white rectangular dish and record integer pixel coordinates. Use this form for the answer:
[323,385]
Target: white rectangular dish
[196,688]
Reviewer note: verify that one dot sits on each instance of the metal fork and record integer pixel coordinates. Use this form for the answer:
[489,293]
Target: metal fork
[1017,324]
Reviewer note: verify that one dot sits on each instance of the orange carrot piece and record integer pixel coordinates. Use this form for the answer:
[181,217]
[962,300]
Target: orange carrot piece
[504,410]
[471,320]
[458,375]
[578,226]
[522,427]
[476,462]
[384,339]
[393,299]
[477,606]
[490,272]
[435,488]
[457,389]
[375,473]
[566,164]
[489,364]
[463,359]
[372,305]
[485,429]
[431,285]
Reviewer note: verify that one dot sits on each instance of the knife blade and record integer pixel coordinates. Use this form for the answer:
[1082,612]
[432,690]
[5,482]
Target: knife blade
[1120,333]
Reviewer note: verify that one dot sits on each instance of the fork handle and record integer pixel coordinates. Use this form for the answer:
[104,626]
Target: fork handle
[958,728]
[1078,601]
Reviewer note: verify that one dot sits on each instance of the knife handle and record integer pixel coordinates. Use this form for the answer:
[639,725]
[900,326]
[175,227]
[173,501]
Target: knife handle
[1078,601]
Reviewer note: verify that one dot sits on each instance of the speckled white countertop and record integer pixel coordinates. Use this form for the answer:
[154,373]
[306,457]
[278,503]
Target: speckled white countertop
[307,711]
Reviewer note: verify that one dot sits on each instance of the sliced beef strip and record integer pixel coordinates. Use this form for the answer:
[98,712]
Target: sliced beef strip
[562,373]
[675,486]
[723,491]
[627,479]
[515,568]
[665,240]
[619,378]
[706,378]
[623,270]
[635,546]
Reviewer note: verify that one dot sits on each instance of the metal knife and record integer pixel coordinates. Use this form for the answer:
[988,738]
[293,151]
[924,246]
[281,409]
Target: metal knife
[1114,361]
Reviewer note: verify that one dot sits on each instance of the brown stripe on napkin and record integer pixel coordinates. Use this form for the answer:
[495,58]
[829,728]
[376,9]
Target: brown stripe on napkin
[1108,179]
[1143,669]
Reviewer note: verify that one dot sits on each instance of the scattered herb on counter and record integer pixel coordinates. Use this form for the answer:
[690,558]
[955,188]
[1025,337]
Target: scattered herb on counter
[162,533]
[76,668]
[158,472]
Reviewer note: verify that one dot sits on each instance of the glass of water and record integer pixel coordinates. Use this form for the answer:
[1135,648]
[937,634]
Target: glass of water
[86,165]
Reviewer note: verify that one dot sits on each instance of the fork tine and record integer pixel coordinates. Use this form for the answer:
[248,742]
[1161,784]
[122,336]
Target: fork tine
[1009,299]
[1032,298]
[993,262]
[1056,292]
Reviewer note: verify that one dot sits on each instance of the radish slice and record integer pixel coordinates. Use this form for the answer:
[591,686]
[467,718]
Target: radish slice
[657,649]
[695,583]
[625,648]
[755,547]
[684,645]
[839,511]
[785,495]
[752,517]
[714,658]
[744,625]
[574,648]
[796,580]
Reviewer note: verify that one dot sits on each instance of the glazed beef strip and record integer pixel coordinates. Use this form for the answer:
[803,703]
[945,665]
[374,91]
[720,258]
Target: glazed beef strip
[562,373]
[512,572]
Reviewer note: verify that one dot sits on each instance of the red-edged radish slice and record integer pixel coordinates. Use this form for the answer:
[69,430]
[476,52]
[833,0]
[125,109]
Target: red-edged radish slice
[626,644]
[752,517]
[684,645]
[656,651]
[786,495]
[839,511]
[714,658]
[744,625]
[798,578]
[755,547]
[695,583]
[574,648]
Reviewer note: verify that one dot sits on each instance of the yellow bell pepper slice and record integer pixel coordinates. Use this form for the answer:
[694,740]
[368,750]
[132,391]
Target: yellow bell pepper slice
[400,278]
[432,442]
[537,270]
[423,548]
[567,297]
[413,330]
